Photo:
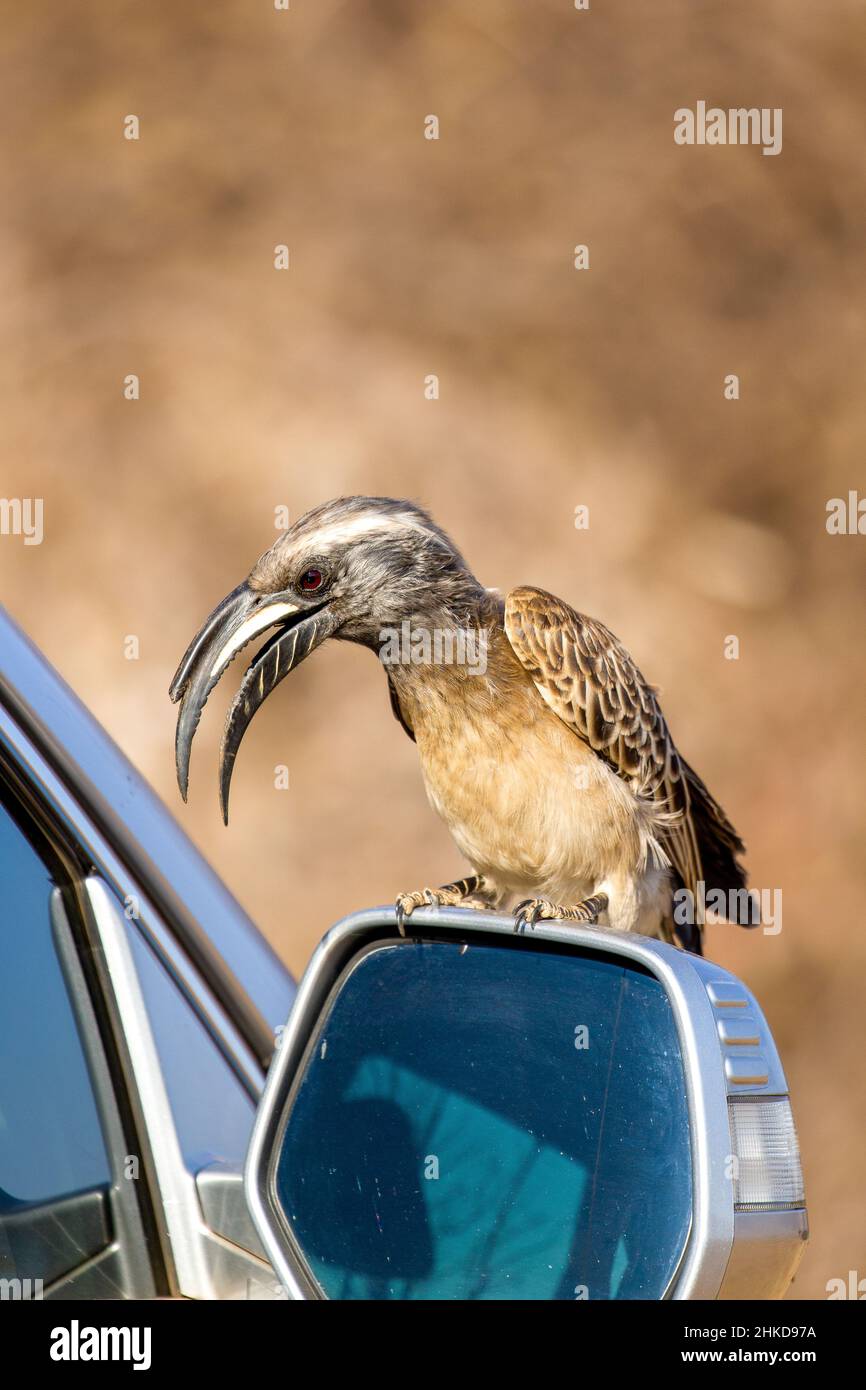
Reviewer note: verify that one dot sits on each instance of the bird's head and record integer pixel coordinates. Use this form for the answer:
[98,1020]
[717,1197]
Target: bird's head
[348,569]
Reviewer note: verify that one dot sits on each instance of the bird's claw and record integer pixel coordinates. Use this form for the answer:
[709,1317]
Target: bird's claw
[532,910]
[466,892]
[527,913]
[406,903]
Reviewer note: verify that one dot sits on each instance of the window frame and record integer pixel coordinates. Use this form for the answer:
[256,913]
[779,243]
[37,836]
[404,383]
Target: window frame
[190,1258]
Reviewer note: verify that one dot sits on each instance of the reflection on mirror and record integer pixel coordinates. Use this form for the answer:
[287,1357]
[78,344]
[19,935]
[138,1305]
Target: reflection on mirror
[489,1122]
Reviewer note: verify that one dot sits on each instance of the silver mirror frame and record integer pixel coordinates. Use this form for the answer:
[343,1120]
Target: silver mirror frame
[700,995]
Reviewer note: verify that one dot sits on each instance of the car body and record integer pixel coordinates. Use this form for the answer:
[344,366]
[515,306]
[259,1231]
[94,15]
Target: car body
[174,1001]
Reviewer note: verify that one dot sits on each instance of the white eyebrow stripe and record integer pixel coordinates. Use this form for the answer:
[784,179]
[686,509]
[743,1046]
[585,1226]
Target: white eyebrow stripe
[363,525]
[257,622]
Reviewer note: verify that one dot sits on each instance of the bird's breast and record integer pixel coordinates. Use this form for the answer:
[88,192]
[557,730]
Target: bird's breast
[527,802]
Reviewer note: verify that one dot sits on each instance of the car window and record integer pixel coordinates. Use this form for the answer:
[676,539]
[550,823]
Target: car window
[213,1114]
[51,1141]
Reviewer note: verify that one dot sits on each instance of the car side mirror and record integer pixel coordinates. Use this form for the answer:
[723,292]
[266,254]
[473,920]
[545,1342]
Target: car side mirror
[571,1113]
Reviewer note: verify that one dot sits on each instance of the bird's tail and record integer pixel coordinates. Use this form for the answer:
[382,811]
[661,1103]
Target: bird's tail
[718,842]
[722,889]
[724,877]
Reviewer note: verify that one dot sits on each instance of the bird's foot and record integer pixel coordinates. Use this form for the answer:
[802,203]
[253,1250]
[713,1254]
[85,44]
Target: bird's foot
[459,894]
[533,910]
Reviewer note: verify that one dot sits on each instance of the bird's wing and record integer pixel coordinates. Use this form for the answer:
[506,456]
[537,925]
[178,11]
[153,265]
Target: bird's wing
[397,711]
[589,680]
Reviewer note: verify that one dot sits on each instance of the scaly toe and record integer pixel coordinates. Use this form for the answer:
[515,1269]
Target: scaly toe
[527,913]
[404,906]
[406,903]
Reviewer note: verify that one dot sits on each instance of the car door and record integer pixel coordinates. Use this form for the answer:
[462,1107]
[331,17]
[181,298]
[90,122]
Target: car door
[73,1224]
[131,1056]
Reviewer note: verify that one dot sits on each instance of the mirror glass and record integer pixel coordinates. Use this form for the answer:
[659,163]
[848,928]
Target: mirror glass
[489,1122]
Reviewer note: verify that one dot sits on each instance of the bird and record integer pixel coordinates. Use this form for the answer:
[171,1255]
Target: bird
[542,746]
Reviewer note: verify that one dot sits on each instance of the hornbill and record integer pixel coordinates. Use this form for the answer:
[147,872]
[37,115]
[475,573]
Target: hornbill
[546,753]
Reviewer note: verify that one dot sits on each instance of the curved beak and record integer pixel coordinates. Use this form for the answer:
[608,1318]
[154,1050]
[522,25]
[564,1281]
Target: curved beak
[233,624]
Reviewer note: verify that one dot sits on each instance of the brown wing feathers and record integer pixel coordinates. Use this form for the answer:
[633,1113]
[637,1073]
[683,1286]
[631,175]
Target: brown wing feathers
[591,682]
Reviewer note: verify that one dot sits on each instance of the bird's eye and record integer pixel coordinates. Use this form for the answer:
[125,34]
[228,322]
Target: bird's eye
[311,580]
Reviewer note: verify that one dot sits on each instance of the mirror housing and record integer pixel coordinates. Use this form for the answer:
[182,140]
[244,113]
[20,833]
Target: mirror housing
[610,1114]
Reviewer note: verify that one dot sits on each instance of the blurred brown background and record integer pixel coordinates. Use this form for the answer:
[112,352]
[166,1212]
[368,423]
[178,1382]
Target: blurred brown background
[558,388]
